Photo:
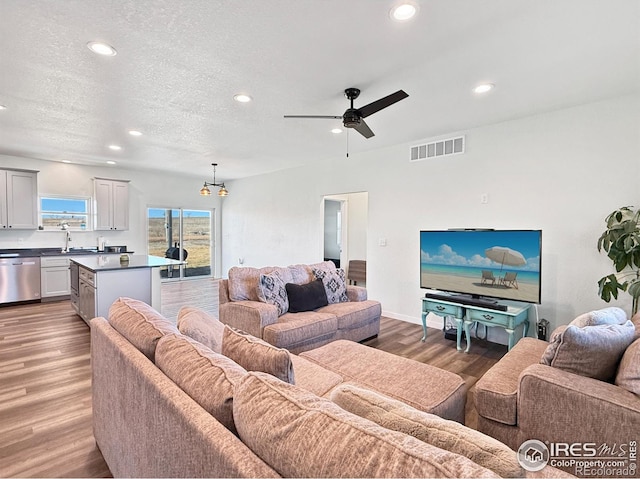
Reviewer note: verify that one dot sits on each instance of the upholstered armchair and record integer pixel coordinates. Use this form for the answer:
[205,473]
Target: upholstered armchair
[520,399]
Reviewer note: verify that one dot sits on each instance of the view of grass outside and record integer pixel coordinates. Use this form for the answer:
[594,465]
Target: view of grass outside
[164,233]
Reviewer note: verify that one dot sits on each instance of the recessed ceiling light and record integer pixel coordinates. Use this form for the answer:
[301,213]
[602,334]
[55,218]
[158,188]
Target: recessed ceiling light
[3,107]
[242,98]
[115,147]
[403,11]
[484,88]
[336,131]
[66,161]
[102,49]
[111,162]
[135,133]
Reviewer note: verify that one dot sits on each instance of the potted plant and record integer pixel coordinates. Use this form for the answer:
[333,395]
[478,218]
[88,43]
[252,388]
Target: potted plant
[621,242]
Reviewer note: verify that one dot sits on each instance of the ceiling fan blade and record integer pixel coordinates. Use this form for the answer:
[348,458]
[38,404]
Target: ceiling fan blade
[378,105]
[329,117]
[364,129]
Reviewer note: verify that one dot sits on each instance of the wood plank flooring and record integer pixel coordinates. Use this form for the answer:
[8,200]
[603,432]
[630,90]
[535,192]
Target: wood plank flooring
[45,379]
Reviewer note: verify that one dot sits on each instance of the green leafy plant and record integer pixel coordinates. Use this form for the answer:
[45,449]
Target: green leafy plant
[621,242]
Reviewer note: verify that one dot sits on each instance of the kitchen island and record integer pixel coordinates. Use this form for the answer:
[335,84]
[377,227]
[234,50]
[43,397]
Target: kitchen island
[97,281]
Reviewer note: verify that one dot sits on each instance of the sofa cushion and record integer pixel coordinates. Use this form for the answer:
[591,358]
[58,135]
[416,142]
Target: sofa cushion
[306,297]
[293,329]
[334,284]
[591,351]
[208,377]
[271,290]
[140,324]
[313,377]
[611,315]
[301,435]
[243,281]
[496,392]
[303,273]
[429,428]
[201,326]
[394,376]
[628,376]
[254,354]
[354,315]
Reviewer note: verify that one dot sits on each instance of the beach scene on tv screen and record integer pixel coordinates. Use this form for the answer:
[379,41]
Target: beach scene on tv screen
[499,264]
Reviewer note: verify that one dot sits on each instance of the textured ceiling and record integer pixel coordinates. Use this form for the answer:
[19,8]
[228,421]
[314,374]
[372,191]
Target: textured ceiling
[179,64]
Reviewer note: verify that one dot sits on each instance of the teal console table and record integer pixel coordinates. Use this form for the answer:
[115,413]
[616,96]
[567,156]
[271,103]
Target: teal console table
[466,315]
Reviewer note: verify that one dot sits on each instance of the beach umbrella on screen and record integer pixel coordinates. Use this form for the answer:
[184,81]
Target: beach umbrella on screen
[504,255]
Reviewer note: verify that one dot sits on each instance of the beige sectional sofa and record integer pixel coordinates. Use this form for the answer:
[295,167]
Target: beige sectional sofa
[165,405]
[354,317]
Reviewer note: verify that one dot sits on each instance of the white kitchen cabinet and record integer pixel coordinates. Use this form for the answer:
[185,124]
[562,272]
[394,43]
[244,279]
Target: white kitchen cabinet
[111,204]
[55,279]
[18,199]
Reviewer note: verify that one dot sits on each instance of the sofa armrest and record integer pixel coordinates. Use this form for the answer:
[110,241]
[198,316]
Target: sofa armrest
[356,293]
[249,316]
[223,291]
[496,392]
[558,406]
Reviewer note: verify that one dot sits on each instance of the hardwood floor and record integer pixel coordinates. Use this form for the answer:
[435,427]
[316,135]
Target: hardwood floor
[45,379]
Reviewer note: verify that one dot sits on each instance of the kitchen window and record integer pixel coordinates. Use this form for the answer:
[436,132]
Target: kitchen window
[56,211]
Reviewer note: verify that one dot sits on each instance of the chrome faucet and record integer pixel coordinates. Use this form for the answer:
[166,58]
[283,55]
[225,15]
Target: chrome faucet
[67,237]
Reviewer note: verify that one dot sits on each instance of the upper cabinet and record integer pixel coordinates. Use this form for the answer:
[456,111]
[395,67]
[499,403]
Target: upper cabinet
[112,204]
[18,199]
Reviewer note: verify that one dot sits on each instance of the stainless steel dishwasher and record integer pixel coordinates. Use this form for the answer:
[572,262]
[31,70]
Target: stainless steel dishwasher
[19,278]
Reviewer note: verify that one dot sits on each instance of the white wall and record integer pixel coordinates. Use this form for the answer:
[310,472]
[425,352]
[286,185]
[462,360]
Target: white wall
[561,172]
[145,189]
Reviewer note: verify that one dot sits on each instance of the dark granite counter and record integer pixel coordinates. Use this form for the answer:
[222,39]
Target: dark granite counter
[112,262]
[31,252]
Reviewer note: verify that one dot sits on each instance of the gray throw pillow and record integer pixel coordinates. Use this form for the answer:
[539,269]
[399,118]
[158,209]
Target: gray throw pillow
[335,284]
[591,351]
[271,290]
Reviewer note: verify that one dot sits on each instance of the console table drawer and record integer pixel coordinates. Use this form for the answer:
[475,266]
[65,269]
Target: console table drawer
[489,318]
[443,309]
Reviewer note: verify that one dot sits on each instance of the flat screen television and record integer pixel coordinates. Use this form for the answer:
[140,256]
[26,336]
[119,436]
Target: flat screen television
[483,264]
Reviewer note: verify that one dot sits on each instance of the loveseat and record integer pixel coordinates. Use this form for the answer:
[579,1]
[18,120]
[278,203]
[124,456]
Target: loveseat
[165,405]
[256,300]
[581,387]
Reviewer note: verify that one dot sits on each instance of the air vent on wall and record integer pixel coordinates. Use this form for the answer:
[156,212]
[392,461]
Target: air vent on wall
[449,146]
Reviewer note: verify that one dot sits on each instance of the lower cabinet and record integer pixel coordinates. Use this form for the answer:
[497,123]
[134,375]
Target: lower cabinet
[54,277]
[86,294]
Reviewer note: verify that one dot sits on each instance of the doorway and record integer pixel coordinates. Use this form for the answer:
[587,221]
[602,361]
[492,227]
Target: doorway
[182,234]
[345,218]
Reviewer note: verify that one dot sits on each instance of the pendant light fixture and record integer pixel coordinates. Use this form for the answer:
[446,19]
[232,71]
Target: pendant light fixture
[205,191]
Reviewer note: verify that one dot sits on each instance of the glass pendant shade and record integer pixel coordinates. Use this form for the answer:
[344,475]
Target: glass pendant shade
[205,191]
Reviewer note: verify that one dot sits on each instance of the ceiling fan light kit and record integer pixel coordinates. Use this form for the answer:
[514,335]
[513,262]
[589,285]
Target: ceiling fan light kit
[354,117]
[205,191]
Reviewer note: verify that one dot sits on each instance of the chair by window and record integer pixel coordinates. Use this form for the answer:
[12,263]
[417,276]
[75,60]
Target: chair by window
[357,271]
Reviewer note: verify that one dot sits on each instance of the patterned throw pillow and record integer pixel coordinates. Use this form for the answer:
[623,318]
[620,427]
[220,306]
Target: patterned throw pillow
[334,284]
[271,290]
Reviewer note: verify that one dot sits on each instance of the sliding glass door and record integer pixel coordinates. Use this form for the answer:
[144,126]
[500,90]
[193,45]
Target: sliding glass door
[183,234]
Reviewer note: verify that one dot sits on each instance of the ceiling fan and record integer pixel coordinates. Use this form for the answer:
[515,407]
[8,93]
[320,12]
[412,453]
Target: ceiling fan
[353,117]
